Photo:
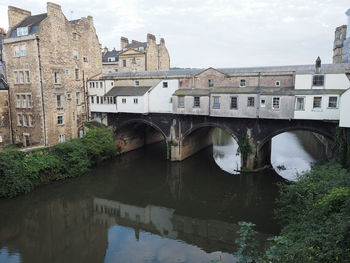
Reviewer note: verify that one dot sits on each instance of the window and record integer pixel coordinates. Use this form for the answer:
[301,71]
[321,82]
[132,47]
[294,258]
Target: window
[114,100]
[19,119]
[27,76]
[136,101]
[60,119]
[18,98]
[77,97]
[318,80]
[92,99]
[76,74]
[138,61]
[23,50]
[242,83]
[262,103]
[24,103]
[101,99]
[30,120]
[234,103]
[124,63]
[123,100]
[216,104]
[21,77]
[181,102]
[68,96]
[25,120]
[16,49]
[180,83]
[97,99]
[61,138]
[16,77]
[317,102]
[165,84]
[137,83]
[22,31]
[74,35]
[29,98]
[56,78]
[333,102]
[101,85]
[196,102]
[59,101]
[85,58]
[277,83]
[250,102]
[75,54]
[300,104]
[275,103]
[211,83]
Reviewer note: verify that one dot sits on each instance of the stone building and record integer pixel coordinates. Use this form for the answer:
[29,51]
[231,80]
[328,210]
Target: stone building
[346,48]
[137,56]
[2,37]
[48,59]
[5,125]
[339,38]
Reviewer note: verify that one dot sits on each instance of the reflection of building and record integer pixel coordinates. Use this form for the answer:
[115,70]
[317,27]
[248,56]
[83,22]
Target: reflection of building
[211,235]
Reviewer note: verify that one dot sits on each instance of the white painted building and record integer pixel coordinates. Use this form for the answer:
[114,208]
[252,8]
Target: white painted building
[345,109]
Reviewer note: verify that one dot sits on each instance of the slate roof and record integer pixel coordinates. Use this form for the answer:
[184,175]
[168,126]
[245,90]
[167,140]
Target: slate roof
[128,91]
[137,45]
[298,69]
[192,92]
[3,84]
[32,22]
[112,53]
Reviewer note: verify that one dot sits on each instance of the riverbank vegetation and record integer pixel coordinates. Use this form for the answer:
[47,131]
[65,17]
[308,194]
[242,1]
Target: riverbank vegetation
[21,172]
[315,214]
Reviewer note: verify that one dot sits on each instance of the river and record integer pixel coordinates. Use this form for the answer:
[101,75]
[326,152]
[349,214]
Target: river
[141,208]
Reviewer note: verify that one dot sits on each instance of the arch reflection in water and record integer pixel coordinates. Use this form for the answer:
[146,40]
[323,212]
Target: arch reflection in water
[294,152]
[225,151]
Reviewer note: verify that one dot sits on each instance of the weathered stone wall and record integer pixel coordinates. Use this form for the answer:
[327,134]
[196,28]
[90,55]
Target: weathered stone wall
[339,37]
[16,15]
[5,132]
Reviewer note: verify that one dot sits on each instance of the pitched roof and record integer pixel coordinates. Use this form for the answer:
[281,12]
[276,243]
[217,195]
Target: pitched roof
[112,53]
[32,22]
[128,91]
[136,45]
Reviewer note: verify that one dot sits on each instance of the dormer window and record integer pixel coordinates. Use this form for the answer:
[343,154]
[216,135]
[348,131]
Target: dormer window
[242,83]
[141,49]
[111,59]
[318,80]
[210,83]
[22,31]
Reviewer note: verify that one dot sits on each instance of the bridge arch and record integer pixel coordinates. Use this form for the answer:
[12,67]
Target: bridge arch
[143,121]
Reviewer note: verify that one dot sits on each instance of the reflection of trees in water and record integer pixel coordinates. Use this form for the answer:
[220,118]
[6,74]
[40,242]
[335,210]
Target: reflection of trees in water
[221,137]
[217,154]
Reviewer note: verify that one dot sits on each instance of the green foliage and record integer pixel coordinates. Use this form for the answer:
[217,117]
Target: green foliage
[21,172]
[247,244]
[244,148]
[315,213]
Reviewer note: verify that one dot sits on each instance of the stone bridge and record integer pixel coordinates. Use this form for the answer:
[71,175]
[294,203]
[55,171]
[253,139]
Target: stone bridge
[187,134]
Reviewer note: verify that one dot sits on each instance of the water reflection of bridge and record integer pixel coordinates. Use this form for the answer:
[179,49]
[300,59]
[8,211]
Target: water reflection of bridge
[209,234]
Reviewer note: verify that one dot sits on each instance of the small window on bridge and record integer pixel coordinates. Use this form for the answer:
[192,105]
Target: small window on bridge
[318,80]
[250,102]
[165,84]
[181,102]
[278,83]
[196,102]
[123,100]
[300,104]
[211,83]
[262,103]
[276,103]
[234,103]
[137,83]
[242,83]
[317,102]
[216,104]
[136,101]
[333,102]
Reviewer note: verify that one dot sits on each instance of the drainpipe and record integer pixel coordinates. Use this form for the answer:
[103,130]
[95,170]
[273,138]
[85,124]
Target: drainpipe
[258,102]
[42,91]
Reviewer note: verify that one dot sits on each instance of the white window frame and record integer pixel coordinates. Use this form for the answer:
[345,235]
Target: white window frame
[313,103]
[16,51]
[60,123]
[296,103]
[181,102]
[277,83]
[136,100]
[336,102]
[232,103]
[243,83]
[278,103]
[251,102]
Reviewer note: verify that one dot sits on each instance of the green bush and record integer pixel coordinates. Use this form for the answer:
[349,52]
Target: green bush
[21,172]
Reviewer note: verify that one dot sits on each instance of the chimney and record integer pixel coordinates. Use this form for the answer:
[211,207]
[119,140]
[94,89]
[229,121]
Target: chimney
[348,29]
[162,41]
[150,38]
[2,31]
[16,15]
[105,50]
[123,42]
[114,49]
[318,65]
[53,9]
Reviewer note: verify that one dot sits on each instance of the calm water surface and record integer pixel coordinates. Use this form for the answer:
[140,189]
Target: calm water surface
[141,208]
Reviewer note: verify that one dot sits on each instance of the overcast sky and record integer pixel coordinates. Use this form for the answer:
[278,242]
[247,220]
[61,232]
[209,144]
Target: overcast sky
[216,33]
